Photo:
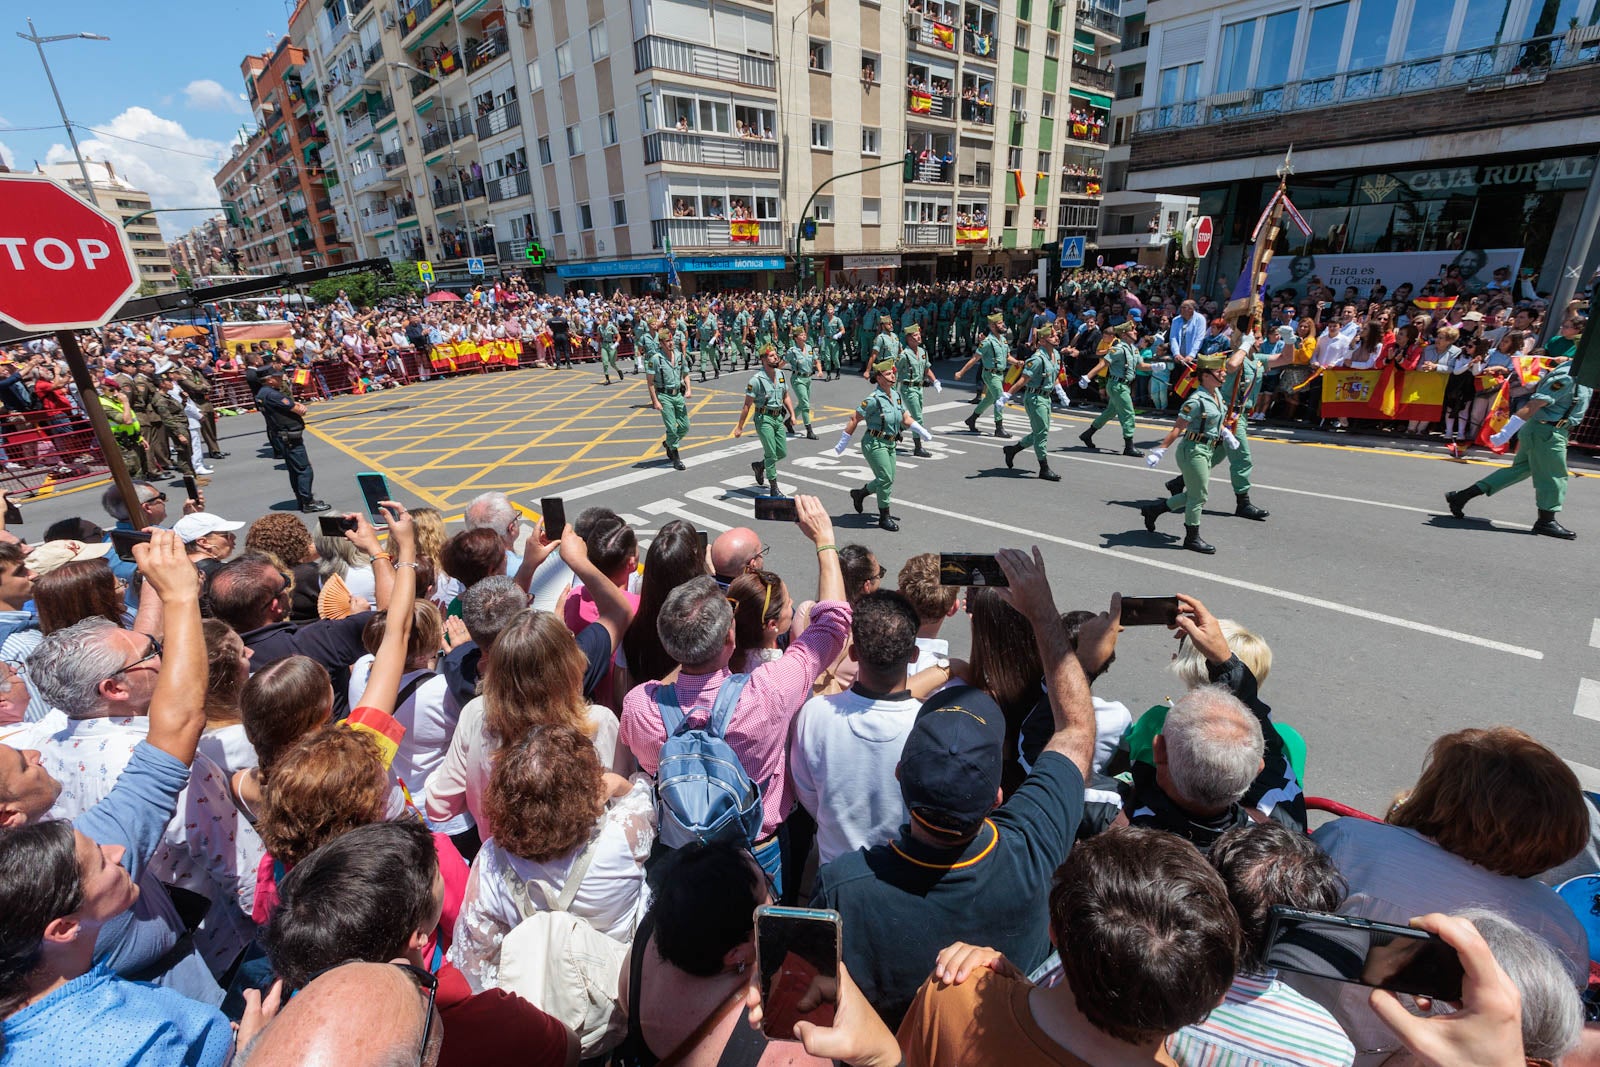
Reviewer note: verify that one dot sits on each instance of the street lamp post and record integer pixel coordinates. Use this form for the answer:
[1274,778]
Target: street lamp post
[39,43]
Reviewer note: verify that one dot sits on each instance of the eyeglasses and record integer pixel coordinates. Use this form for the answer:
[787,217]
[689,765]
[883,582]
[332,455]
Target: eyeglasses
[153,653]
[882,570]
[425,979]
[162,497]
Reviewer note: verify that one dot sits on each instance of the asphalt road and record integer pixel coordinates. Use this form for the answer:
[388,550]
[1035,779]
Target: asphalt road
[1390,622]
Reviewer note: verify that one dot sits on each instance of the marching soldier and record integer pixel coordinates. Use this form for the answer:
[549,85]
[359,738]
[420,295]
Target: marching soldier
[668,370]
[913,371]
[1558,404]
[1121,362]
[802,363]
[1244,374]
[885,419]
[884,346]
[1199,423]
[708,333]
[832,344]
[768,396]
[609,336]
[995,355]
[966,322]
[1038,382]
[168,406]
[744,336]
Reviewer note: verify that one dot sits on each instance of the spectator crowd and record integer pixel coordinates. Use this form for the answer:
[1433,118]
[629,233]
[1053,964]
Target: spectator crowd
[432,796]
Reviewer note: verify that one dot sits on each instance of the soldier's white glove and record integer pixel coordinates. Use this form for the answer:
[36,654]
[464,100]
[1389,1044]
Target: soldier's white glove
[1153,457]
[1005,398]
[1233,442]
[1061,395]
[921,431]
[844,442]
[1507,432]
[937,387]
[1084,383]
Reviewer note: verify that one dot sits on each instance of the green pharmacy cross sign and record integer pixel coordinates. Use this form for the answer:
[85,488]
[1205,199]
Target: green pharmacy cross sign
[534,253]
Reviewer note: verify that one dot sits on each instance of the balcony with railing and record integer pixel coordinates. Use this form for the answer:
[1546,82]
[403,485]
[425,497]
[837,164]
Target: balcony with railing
[509,186]
[472,189]
[415,15]
[354,8]
[375,219]
[403,209]
[982,45]
[925,234]
[502,119]
[710,150]
[1474,70]
[1100,17]
[1089,76]
[935,158]
[716,233]
[446,195]
[1074,182]
[930,103]
[357,128]
[932,34]
[687,57]
[372,56]
[1088,126]
[438,137]
[369,176]
[515,250]
[394,158]
[488,50]
[422,83]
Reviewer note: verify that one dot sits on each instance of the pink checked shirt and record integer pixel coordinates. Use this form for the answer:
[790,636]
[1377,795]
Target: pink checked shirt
[759,729]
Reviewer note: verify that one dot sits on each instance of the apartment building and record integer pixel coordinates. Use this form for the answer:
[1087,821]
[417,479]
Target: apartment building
[202,249]
[279,211]
[619,142]
[1430,136]
[117,197]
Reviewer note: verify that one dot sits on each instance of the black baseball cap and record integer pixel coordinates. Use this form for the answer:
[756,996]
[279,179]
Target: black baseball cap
[950,765]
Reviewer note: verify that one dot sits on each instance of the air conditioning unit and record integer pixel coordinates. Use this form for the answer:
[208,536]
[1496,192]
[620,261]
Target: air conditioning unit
[1023,114]
[388,19]
[525,17]
[914,20]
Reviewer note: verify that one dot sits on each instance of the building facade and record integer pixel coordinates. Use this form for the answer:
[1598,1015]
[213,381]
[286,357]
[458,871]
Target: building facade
[202,250]
[616,142]
[1430,137]
[279,210]
[118,198]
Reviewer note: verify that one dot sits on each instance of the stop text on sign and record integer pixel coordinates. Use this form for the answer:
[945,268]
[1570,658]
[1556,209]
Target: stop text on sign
[53,253]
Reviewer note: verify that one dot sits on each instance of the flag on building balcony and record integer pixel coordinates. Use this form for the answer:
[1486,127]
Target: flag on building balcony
[1250,291]
[1016,181]
[972,233]
[1434,303]
[746,230]
[945,35]
[921,102]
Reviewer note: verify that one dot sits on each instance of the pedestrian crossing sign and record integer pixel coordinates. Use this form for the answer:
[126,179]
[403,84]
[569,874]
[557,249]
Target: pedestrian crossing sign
[425,272]
[1072,251]
[474,266]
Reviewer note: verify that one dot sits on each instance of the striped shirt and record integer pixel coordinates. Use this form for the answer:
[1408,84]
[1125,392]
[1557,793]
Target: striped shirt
[1263,1023]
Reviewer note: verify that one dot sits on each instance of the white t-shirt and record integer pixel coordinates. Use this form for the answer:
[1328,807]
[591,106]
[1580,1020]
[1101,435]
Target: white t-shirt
[228,748]
[842,760]
[428,721]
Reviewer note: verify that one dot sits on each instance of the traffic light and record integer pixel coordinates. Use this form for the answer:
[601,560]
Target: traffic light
[808,229]
[910,170]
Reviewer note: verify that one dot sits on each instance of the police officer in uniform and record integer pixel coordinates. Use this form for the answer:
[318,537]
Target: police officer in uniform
[668,380]
[1038,383]
[1557,405]
[768,396]
[885,419]
[1121,361]
[802,363]
[1244,374]
[1199,423]
[995,355]
[912,372]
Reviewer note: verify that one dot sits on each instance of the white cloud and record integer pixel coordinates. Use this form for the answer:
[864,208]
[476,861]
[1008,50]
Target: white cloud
[169,164]
[208,95]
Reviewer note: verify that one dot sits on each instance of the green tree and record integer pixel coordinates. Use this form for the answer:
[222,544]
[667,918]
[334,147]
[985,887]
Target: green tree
[366,289]
[185,280]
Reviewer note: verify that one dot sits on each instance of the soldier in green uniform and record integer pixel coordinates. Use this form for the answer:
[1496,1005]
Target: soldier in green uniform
[1244,374]
[668,370]
[707,336]
[768,396]
[124,429]
[742,337]
[884,346]
[832,343]
[885,419]
[966,322]
[143,397]
[802,363]
[995,355]
[1121,363]
[766,328]
[1038,383]
[944,323]
[609,335]
[912,372]
[1543,422]
[1199,423]
[168,406]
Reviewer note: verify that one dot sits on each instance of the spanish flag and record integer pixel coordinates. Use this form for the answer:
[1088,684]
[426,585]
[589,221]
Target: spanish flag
[302,377]
[1385,392]
[972,233]
[1499,415]
[746,230]
[1016,180]
[945,35]
[921,102]
[382,727]
[1434,303]
[1530,368]
[1186,383]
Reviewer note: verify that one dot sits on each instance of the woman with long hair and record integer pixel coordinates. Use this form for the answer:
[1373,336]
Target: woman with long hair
[762,610]
[1005,664]
[77,591]
[674,557]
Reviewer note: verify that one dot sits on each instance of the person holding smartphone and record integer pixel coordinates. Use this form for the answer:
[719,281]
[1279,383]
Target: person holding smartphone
[768,396]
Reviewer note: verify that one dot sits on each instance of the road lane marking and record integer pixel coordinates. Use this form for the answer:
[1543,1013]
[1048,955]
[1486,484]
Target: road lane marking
[1588,777]
[1237,583]
[1594,635]
[1588,703]
[673,508]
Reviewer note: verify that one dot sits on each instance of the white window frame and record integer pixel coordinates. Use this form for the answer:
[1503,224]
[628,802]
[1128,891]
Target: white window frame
[585,218]
[871,140]
[824,51]
[821,135]
[575,140]
[822,210]
[871,211]
[555,221]
[1022,36]
[599,42]
[608,128]
[545,158]
[619,211]
[535,76]
[563,59]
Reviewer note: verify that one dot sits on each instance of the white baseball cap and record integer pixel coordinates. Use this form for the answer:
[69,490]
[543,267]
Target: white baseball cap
[191,528]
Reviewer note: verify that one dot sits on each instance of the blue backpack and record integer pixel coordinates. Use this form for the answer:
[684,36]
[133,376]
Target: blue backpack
[702,791]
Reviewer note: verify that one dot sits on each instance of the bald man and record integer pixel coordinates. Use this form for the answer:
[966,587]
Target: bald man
[356,1015]
[734,551]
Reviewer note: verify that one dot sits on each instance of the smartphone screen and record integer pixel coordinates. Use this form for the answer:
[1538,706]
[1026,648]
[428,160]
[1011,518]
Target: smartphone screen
[1149,610]
[781,508]
[1349,949]
[122,542]
[797,954]
[554,514]
[705,540]
[970,568]
[334,525]
[190,487]
[374,490]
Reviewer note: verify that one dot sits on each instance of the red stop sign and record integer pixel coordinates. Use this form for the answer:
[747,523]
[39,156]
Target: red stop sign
[64,263]
[1202,237]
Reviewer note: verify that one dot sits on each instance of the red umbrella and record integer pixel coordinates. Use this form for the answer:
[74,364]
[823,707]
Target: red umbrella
[443,296]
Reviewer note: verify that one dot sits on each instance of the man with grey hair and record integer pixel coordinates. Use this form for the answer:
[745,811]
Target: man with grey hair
[486,609]
[1219,762]
[696,630]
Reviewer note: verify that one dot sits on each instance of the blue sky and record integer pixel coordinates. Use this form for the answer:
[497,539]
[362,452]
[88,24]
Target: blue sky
[166,89]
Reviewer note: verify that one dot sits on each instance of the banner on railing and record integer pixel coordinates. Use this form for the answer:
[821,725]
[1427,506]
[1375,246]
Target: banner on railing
[746,230]
[972,233]
[921,103]
[240,335]
[1385,394]
[1470,270]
